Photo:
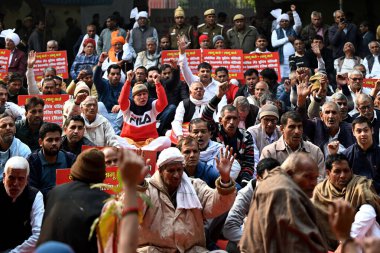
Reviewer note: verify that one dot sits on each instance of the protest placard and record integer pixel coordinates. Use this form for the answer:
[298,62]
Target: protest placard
[260,61]
[369,82]
[53,106]
[194,58]
[4,60]
[232,59]
[63,176]
[55,59]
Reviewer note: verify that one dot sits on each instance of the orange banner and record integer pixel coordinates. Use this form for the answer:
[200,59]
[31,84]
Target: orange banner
[4,61]
[232,59]
[63,176]
[194,58]
[369,83]
[260,61]
[53,106]
[55,59]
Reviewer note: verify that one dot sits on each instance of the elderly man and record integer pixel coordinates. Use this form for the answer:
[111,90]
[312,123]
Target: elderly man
[267,131]
[242,36]
[372,61]
[363,156]
[85,75]
[112,29]
[17,59]
[98,129]
[210,28]
[22,208]
[325,128]
[291,142]
[341,100]
[341,183]
[9,145]
[52,45]
[282,39]
[27,129]
[282,209]
[341,32]
[315,27]
[180,204]
[228,133]
[346,63]
[74,206]
[139,34]
[233,227]
[73,138]
[149,57]
[180,28]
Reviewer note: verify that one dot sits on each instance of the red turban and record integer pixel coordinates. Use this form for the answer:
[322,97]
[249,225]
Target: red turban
[89,40]
[202,38]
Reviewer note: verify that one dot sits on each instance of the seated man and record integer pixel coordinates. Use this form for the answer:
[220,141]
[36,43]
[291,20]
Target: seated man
[200,130]
[341,183]
[74,139]
[341,100]
[15,87]
[45,161]
[76,202]
[72,106]
[139,114]
[291,142]
[149,57]
[27,130]
[22,208]
[110,156]
[267,131]
[233,227]
[228,133]
[85,75]
[282,209]
[346,63]
[9,145]
[98,128]
[188,109]
[363,156]
[180,204]
[194,168]
[247,112]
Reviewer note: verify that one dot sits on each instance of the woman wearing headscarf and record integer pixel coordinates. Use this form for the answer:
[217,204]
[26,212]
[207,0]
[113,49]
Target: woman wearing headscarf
[87,57]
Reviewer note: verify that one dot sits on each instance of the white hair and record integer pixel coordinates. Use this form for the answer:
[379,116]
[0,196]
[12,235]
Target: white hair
[17,163]
[374,41]
[355,72]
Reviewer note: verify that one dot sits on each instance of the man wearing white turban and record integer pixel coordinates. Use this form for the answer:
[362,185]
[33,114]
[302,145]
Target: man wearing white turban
[174,221]
[283,37]
[17,59]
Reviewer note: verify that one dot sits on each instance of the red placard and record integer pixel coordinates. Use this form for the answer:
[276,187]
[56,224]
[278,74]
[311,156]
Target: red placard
[55,59]
[232,59]
[194,58]
[369,83]
[53,106]
[260,61]
[63,176]
[146,154]
[4,60]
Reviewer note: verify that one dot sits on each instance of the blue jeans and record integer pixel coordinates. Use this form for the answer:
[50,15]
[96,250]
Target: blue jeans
[166,117]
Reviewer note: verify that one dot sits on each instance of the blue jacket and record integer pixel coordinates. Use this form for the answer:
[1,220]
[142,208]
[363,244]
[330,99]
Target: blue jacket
[207,173]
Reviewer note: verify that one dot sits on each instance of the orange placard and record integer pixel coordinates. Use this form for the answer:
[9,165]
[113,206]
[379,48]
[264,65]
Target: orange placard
[232,59]
[260,61]
[4,60]
[194,58]
[146,154]
[53,106]
[369,82]
[63,176]
[55,59]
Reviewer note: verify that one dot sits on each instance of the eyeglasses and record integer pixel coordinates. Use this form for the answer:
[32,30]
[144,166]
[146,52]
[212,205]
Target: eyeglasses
[356,79]
[365,107]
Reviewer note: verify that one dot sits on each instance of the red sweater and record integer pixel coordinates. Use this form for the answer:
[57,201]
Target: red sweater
[140,121]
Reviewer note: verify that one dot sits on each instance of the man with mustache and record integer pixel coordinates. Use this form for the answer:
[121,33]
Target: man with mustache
[342,183]
[9,145]
[28,128]
[363,156]
[45,161]
[74,139]
[291,142]
[251,78]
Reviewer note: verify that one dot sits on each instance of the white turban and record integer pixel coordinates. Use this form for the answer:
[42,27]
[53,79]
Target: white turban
[14,37]
[277,14]
[283,16]
[142,14]
[6,32]
[169,155]
[17,162]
